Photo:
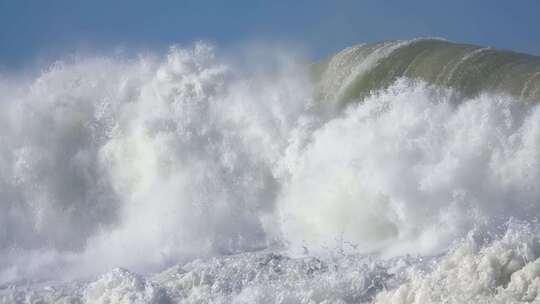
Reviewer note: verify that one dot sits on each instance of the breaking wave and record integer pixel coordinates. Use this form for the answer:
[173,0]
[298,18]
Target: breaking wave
[383,174]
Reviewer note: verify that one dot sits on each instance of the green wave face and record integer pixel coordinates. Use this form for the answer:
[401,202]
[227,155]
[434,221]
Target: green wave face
[470,70]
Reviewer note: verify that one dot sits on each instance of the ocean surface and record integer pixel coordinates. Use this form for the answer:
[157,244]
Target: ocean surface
[394,172]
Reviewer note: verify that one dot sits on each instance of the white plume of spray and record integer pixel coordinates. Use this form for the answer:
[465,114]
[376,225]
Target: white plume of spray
[139,163]
[409,171]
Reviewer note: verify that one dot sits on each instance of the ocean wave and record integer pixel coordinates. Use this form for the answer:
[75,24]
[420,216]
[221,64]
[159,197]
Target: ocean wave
[260,189]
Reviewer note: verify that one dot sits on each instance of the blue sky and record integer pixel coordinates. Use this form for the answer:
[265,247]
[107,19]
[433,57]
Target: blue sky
[45,30]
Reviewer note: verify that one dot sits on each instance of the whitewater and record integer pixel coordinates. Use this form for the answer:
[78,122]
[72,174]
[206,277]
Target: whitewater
[394,172]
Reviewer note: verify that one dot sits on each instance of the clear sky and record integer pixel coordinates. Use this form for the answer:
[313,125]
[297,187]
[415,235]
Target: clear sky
[33,30]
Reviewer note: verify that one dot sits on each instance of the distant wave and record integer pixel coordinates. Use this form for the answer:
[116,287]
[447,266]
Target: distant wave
[468,69]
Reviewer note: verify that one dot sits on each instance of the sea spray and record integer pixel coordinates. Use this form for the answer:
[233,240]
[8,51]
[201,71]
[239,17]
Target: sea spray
[408,171]
[161,159]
